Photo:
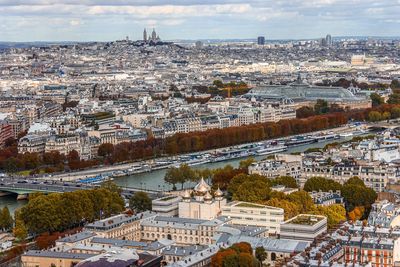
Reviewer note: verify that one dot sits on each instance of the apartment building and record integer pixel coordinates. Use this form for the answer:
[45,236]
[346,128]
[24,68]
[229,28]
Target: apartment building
[63,143]
[32,143]
[379,251]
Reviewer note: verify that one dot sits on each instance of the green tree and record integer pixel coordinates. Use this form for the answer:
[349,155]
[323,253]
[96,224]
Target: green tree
[10,164]
[40,215]
[376,99]
[244,164]
[187,173]
[287,181]
[180,175]
[246,260]
[303,199]
[374,116]
[395,112]
[395,84]
[354,181]
[305,112]
[386,115]
[231,261]
[218,83]
[20,231]
[57,212]
[252,191]
[111,186]
[140,202]
[173,177]
[357,195]
[236,184]
[321,183]
[394,99]
[6,220]
[261,254]
[321,107]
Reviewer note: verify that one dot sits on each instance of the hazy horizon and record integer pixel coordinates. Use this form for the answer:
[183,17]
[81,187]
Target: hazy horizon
[105,20]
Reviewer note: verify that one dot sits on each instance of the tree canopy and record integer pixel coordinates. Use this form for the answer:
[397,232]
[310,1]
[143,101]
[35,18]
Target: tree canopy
[320,183]
[57,212]
[140,202]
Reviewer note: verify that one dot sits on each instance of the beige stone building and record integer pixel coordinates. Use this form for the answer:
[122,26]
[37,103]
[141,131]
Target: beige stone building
[121,226]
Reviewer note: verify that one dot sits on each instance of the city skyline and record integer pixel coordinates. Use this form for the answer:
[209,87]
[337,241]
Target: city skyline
[104,20]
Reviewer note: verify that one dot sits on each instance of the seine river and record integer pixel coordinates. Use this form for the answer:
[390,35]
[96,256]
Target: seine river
[155,179]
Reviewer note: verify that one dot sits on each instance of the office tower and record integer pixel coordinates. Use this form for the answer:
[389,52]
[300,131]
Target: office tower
[328,40]
[199,44]
[145,35]
[261,40]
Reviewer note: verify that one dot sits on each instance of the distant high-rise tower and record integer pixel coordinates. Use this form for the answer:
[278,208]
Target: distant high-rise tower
[199,44]
[145,35]
[328,40]
[261,40]
[154,35]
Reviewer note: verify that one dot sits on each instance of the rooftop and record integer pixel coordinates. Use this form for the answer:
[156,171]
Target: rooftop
[305,219]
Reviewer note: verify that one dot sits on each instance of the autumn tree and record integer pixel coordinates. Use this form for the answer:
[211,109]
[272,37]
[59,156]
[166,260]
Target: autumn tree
[291,208]
[105,150]
[222,177]
[335,213]
[356,214]
[238,255]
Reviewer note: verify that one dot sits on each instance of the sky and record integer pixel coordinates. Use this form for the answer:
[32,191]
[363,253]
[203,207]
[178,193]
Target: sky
[106,20]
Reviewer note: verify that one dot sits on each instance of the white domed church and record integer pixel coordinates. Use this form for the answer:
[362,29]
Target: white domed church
[202,205]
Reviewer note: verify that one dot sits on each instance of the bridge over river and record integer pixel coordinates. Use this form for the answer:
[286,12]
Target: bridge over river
[22,190]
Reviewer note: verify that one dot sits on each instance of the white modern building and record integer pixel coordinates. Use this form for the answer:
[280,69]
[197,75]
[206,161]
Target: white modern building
[167,205]
[304,227]
[251,214]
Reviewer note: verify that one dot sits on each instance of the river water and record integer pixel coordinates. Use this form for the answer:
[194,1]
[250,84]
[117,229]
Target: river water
[155,180]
